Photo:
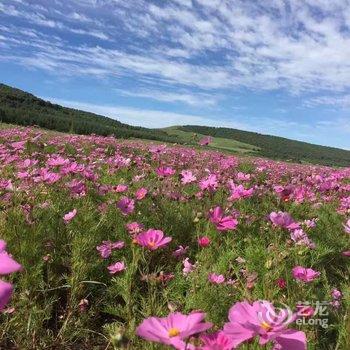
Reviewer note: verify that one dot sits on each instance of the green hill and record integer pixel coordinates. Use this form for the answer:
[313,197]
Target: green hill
[278,147]
[22,108]
[217,142]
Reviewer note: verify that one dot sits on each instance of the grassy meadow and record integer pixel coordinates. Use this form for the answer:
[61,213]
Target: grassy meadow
[82,216]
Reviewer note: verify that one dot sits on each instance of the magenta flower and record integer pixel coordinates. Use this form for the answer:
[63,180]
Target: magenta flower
[243,177]
[120,188]
[305,310]
[203,241]
[153,239]
[238,191]
[7,263]
[116,268]
[188,267]
[262,320]
[173,329]
[222,223]
[336,294]
[216,341]
[216,279]
[205,141]
[281,283]
[69,216]
[347,226]
[165,171]
[134,228]
[304,274]
[187,177]
[180,251]
[301,238]
[141,193]
[210,183]
[126,205]
[310,223]
[6,290]
[284,220]
[7,266]
[106,248]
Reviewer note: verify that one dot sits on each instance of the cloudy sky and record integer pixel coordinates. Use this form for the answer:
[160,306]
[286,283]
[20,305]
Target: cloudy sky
[275,66]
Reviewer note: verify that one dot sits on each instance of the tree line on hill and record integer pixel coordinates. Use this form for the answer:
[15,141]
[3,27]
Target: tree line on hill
[22,108]
[278,147]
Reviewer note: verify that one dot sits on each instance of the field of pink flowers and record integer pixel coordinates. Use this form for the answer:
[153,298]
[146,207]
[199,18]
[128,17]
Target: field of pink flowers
[112,244]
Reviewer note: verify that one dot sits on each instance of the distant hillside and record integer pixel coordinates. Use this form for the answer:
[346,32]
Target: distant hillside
[20,107]
[218,143]
[278,147]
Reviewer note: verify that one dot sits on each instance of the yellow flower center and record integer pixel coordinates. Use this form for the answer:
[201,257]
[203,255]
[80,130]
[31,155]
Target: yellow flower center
[265,326]
[151,244]
[173,332]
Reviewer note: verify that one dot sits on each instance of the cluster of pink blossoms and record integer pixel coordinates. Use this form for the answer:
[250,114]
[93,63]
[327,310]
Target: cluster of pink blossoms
[245,322]
[7,266]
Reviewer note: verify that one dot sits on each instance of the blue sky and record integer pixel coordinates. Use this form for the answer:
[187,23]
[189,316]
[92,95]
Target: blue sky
[276,66]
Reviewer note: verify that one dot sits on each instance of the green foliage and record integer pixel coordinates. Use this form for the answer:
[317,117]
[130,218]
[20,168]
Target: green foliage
[278,147]
[22,108]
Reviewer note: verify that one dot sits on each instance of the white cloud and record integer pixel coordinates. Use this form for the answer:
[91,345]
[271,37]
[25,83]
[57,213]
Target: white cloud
[299,46]
[211,44]
[192,99]
[145,117]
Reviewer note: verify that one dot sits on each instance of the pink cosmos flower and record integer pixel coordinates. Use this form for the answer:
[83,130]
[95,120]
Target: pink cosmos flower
[116,268]
[222,223]
[243,177]
[216,341]
[310,223]
[347,226]
[238,191]
[188,267]
[210,183]
[187,177]
[6,290]
[153,239]
[283,220]
[173,329]
[141,193]
[281,283]
[106,248]
[304,274]
[301,238]
[157,149]
[165,171]
[203,241]
[216,279]
[346,253]
[205,141]
[180,251]
[262,320]
[134,228]
[120,188]
[7,264]
[305,310]
[336,294]
[126,205]
[69,216]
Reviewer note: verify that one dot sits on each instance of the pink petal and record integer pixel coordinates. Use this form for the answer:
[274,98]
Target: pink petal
[5,293]
[7,264]
[292,340]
